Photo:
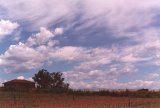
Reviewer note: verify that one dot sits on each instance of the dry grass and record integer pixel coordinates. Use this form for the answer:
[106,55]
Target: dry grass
[33,100]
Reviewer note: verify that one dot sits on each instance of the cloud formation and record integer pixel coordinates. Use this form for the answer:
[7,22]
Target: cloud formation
[118,16]
[95,68]
[7,27]
[29,55]
[38,12]
[129,30]
[20,77]
[40,38]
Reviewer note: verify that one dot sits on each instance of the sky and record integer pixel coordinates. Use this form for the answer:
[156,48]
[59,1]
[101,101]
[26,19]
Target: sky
[97,44]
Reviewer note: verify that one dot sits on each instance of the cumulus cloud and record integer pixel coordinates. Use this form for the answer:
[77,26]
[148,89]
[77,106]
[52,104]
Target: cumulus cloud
[24,78]
[7,27]
[29,55]
[97,77]
[94,66]
[20,57]
[114,84]
[40,38]
[69,53]
[137,84]
[153,76]
[90,55]
[94,69]
[20,77]
[58,31]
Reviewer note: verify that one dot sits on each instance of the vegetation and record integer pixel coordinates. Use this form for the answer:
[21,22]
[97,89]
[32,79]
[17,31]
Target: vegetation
[53,82]
[50,81]
[53,92]
[118,93]
[49,100]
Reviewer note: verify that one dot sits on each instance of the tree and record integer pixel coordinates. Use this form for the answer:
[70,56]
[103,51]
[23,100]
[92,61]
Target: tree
[53,80]
[58,81]
[42,79]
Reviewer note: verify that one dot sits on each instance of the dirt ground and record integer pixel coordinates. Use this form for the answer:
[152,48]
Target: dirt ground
[11,100]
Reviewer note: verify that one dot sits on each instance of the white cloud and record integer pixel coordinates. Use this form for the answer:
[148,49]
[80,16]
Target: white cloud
[118,15]
[7,27]
[70,53]
[89,55]
[58,31]
[32,54]
[24,78]
[21,57]
[124,18]
[153,76]
[90,60]
[131,58]
[38,12]
[137,84]
[114,84]
[98,78]
[94,69]
[40,38]
[20,77]
[30,79]
[1,81]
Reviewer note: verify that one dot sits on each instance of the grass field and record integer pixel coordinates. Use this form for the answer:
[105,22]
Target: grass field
[35,100]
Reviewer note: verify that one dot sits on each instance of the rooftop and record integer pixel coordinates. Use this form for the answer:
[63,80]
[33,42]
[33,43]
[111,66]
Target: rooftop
[18,81]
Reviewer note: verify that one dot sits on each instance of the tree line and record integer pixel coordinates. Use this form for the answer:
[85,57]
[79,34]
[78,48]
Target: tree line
[54,82]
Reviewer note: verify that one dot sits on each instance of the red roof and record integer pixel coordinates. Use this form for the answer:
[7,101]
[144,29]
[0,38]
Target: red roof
[18,81]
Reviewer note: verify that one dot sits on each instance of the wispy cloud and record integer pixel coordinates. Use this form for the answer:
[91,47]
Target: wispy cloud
[118,16]
[38,12]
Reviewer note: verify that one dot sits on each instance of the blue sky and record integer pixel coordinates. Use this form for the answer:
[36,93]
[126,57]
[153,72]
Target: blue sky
[97,44]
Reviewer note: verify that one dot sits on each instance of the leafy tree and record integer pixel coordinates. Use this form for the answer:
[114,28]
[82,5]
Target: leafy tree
[43,79]
[58,81]
[47,80]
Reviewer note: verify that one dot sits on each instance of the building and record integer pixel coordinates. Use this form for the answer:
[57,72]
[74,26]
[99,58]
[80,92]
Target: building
[19,85]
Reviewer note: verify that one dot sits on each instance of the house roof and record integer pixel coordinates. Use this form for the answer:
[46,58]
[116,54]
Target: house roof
[19,81]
